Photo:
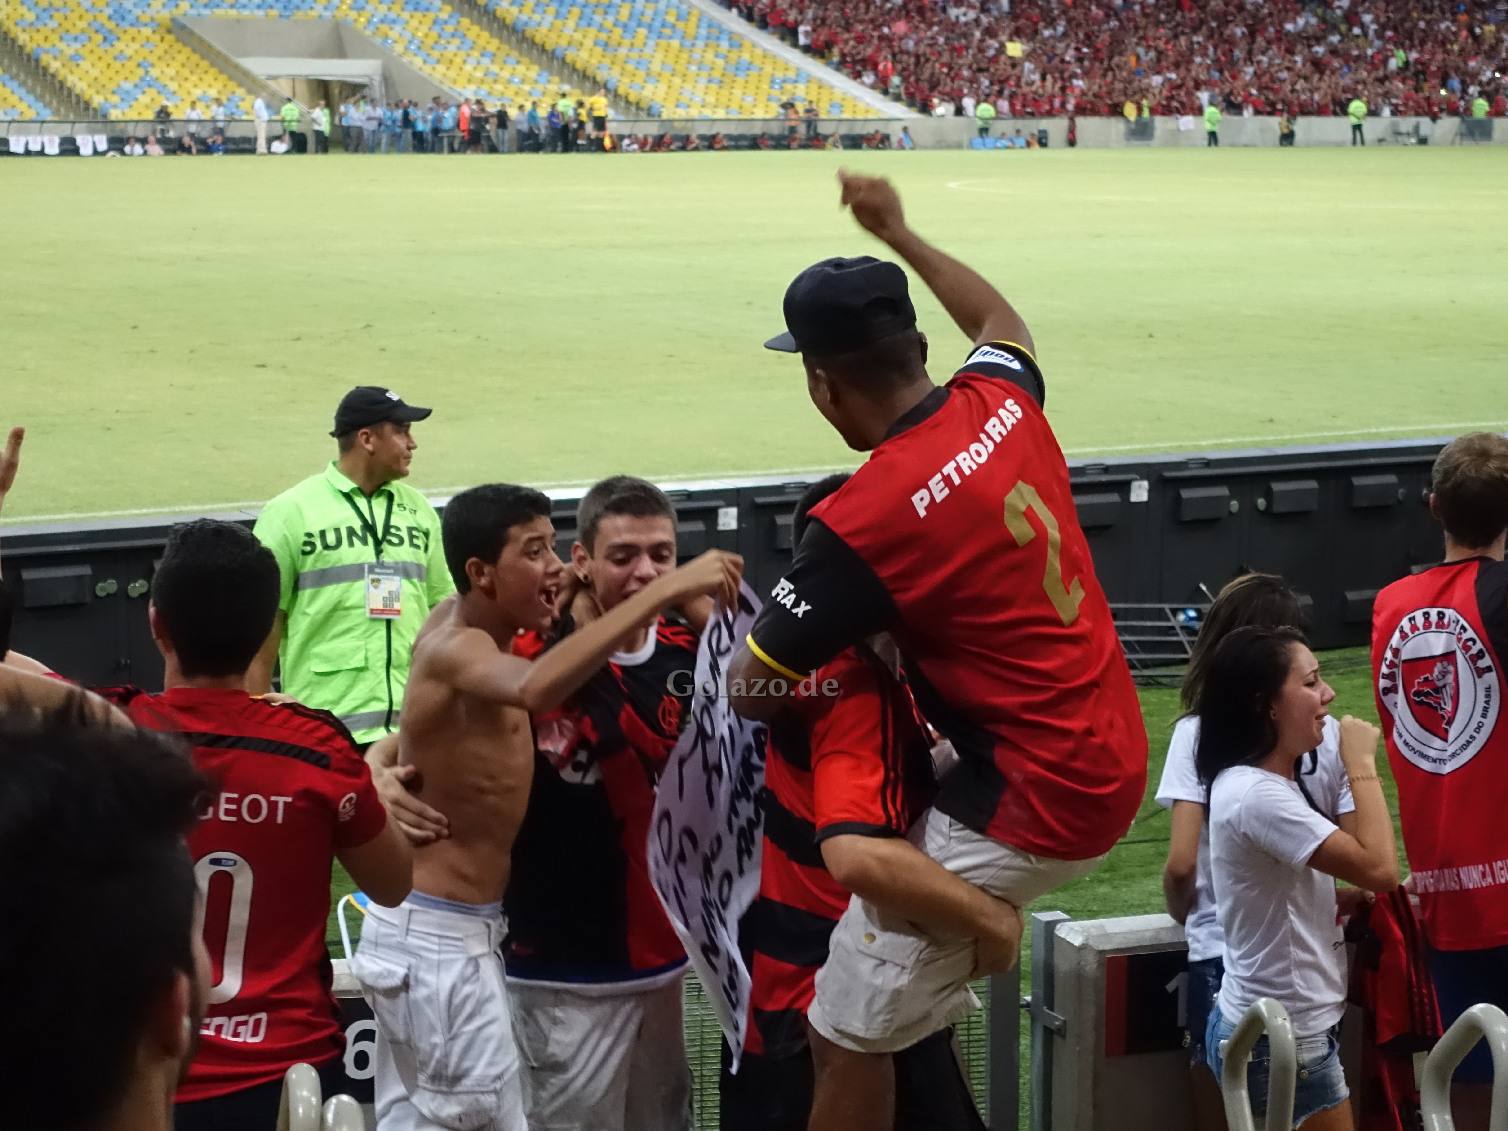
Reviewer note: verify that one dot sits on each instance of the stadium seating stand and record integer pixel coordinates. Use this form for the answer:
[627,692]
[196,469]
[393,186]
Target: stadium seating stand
[19,104]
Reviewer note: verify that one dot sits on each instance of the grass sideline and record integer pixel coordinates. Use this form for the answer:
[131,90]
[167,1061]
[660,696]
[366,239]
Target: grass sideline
[175,334]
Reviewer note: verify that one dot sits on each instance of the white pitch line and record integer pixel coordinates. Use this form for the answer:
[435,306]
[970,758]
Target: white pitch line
[1180,445]
[428,492]
[769,473]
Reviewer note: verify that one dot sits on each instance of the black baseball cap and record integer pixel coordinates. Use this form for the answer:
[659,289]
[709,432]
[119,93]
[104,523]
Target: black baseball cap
[839,305]
[366,405]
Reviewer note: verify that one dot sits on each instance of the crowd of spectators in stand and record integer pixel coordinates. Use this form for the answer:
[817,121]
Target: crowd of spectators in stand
[1050,58]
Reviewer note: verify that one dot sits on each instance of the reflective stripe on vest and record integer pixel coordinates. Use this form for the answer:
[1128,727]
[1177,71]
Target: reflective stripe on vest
[357,571]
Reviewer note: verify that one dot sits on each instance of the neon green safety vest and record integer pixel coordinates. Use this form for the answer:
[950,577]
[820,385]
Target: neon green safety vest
[289,114]
[324,533]
[1212,118]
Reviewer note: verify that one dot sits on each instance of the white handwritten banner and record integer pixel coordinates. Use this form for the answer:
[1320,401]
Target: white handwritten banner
[704,842]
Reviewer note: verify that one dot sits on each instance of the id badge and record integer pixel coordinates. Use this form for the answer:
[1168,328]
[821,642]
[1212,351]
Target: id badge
[384,591]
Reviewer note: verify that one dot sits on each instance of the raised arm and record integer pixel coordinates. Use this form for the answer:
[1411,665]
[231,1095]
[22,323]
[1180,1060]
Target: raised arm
[544,684]
[980,311]
[10,461]
[1369,859]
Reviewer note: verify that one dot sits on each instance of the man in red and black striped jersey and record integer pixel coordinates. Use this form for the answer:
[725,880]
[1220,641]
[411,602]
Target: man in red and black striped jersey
[848,773]
[293,795]
[959,537]
[594,966]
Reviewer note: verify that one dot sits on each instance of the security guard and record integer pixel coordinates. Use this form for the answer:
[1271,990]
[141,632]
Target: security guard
[362,565]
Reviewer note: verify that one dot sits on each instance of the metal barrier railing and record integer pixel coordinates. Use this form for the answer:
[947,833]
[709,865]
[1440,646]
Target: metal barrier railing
[1479,1023]
[342,1113]
[1264,1016]
[299,1109]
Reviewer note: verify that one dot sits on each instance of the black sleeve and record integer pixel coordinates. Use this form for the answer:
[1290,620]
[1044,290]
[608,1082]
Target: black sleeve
[827,600]
[1009,362]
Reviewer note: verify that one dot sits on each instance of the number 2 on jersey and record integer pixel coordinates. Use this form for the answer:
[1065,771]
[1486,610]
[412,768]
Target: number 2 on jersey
[238,915]
[1023,497]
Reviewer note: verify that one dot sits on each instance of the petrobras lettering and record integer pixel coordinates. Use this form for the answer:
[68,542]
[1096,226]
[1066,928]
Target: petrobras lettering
[707,827]
[969,460]
[784,595]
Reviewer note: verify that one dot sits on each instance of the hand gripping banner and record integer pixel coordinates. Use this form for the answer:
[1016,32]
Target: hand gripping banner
[704,841]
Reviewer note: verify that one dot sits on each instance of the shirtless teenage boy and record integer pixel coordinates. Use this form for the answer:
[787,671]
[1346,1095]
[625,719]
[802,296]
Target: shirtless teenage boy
[445,1051]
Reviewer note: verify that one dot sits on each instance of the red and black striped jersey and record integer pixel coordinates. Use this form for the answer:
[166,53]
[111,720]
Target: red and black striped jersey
[580,906]
[959,537]
[855,761]
[292,791]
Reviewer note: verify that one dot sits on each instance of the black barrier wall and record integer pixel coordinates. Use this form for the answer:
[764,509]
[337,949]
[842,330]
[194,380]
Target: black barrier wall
[1339,521]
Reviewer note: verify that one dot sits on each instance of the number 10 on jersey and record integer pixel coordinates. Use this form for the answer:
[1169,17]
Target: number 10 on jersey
[238,914]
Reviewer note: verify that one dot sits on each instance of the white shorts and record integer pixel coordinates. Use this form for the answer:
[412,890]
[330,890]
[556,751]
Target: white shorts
[597,1061]
[887,983]
[445,1052]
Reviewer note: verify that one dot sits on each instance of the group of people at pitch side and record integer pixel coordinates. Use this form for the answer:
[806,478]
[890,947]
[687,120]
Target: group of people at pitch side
[475,728]
[1272,801]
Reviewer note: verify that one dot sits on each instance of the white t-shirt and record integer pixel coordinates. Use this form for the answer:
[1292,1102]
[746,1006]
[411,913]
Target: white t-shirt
[1281,937]
[1323,776]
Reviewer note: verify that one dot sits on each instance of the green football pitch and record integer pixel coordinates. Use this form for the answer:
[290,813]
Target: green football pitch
[175,333]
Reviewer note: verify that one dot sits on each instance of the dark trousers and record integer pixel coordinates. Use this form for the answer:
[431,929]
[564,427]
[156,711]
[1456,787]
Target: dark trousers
[1211,138]
[565,139]
[418,140]
[250,1109]
[1285,139]
[770,1094]
[321,142]
[1357,137]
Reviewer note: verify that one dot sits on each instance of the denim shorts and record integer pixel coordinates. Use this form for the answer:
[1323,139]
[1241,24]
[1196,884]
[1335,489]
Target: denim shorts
[1204,986]
[1321,1084]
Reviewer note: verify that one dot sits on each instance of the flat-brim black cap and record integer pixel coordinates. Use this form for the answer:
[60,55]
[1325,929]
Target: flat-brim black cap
[840,305]
[366,405]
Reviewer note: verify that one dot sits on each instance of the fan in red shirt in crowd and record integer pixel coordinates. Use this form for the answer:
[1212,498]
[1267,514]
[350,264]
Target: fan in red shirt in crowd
[848,774]
[1103,55]
[959,537]
[1439,642]
[293,794]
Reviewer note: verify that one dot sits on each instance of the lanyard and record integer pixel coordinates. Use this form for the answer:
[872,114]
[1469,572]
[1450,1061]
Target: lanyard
[369,523]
